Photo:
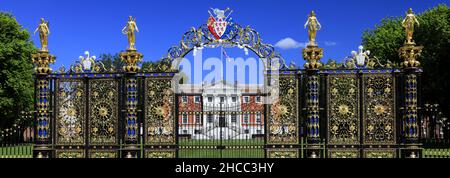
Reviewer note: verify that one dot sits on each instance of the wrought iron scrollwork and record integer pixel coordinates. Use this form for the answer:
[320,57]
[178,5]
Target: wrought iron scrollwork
[343,104]
[236,37]
[379,109]
[103,110]
[159,114]
[283,120]
[70,119]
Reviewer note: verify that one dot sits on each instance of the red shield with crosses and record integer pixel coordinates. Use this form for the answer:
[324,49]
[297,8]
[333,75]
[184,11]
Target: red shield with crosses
[220,26]
[217,27]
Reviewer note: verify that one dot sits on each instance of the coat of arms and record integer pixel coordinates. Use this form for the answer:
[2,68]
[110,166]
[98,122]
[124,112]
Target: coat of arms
[218,24]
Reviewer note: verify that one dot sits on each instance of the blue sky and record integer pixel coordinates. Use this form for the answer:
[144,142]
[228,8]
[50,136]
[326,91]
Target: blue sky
[95,25]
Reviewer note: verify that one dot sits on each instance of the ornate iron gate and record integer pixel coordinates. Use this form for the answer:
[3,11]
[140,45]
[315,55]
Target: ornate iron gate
[361,113]
[348,111]
[87,115]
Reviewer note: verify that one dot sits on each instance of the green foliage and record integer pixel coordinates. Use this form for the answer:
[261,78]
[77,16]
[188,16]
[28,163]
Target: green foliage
[16,70]
[111,61]
[434,34]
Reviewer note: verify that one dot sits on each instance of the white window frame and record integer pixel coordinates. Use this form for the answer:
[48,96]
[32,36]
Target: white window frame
[234,99]
[208,117]
[259,118]
[184,99]
[183,117]
[246,99]
[199,99]
[198,118]
[246,119]
[258,98]
[233,120]
[212,99]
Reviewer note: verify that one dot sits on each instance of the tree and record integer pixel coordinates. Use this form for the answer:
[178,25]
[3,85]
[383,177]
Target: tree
[434,34]
[111,61]
[16,70]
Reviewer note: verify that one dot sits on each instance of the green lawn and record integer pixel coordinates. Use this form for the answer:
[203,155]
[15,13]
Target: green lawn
[21,151]
[206,148]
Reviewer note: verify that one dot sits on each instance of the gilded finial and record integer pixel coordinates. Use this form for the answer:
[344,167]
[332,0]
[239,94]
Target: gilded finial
[44,30]
[409,23]
[313,26]
[129,30]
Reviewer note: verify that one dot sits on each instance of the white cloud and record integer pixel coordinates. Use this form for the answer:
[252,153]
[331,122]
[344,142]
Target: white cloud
[289,43]
[330,43]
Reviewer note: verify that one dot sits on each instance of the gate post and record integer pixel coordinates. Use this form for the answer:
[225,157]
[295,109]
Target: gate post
[43,146]
[312,54]
[409,53]
[131,57]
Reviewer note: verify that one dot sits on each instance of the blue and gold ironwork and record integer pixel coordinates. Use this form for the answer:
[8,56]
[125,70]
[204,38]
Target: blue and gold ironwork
[312,102]
[283,117]
[103,109]
[159,112]
[70,153]
[95,108]
[70,112]
[312,54]
[131,111]
[86,64]
[103,154]
[343,153]
[379,109]
[343,109]
[160,154]
[131,58]
[282,153]
[234,36]
[380,153]
[410,54]
[42,60]
[411,116]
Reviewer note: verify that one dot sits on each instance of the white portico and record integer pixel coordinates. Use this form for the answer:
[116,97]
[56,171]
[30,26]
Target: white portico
[222,113]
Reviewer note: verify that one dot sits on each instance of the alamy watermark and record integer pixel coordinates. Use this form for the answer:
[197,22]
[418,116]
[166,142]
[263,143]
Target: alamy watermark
[260,76]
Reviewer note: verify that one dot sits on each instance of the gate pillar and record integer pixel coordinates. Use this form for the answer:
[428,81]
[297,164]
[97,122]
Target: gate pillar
[43,147]
[312,54]
[131,57]
[409,52]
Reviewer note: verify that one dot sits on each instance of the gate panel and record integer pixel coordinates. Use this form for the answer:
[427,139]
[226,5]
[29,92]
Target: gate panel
[343,121]
[283,122]
[159,117]
[343,109]
[70,112]
[103,111]
[378,109]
